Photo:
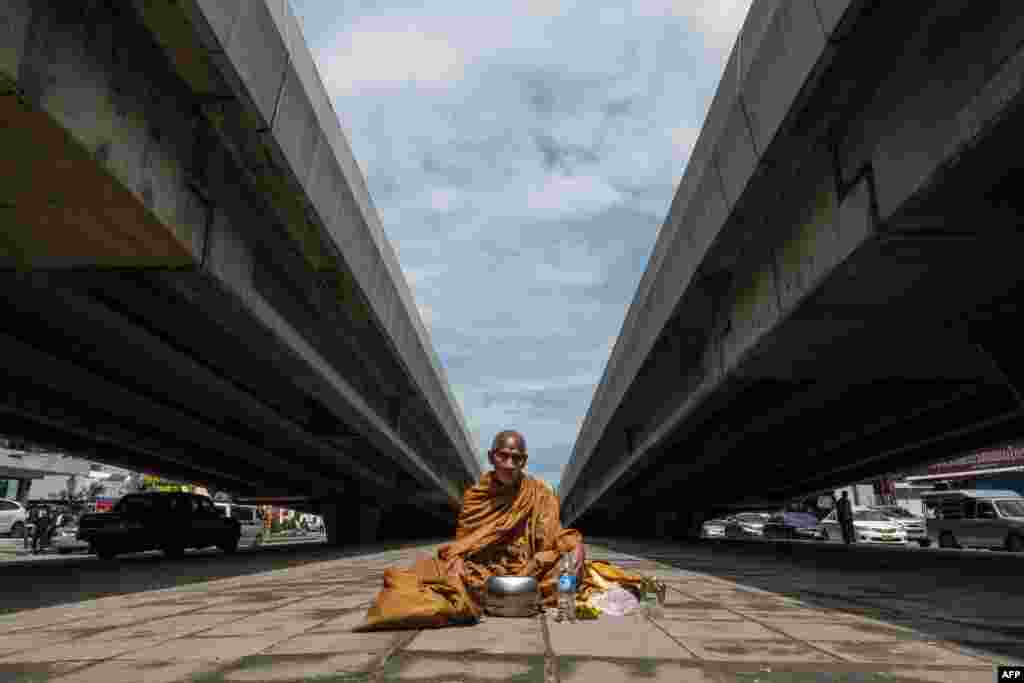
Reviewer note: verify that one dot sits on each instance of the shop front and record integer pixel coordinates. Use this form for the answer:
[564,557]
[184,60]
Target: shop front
[1000,468]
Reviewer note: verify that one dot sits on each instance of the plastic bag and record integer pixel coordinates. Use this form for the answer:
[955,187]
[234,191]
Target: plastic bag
[616,602]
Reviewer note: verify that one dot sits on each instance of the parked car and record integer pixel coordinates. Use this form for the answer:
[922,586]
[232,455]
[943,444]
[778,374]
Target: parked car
[714,528]
[869,526]
[746,525]
[164,520]
[793,525]
[915,527]
[985,519]
[12,517]
[247,516]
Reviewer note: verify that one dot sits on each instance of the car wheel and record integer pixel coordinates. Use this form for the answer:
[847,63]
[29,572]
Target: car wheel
[229,545]
[173,551]
[17,529]
[105,552]
[1015,543]
[925,542]
[947,540]
[824,535]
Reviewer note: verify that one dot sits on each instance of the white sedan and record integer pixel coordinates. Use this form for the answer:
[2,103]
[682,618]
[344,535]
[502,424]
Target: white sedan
[869,526]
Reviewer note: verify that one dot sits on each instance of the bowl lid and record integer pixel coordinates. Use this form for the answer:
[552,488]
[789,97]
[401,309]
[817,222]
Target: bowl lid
[511,585]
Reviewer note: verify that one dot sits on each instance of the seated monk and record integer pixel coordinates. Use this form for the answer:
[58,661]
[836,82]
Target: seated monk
[509,525]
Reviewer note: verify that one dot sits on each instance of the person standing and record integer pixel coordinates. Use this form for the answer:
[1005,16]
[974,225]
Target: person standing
[844,513]
[41,537]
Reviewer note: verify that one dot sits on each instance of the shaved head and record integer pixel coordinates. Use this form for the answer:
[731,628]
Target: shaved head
[503,437]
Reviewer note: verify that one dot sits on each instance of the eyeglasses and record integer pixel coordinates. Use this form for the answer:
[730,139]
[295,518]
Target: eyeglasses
[516,458]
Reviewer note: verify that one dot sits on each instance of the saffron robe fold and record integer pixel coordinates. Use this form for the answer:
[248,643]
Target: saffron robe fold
[502,531]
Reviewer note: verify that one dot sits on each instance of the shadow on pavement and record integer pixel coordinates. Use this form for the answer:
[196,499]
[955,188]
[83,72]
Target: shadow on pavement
[28,585]
[971,599]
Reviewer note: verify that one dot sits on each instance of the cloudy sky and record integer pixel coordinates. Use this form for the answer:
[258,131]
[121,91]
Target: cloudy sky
[522,155]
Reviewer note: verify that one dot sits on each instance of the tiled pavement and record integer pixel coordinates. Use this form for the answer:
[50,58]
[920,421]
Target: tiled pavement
[295,625]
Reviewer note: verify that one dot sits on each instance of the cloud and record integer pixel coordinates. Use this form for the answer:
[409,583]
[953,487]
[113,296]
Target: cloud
[370,59]
[718,21]
[560,194]
[522,158]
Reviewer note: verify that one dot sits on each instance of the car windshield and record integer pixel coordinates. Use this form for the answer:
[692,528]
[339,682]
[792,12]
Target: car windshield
[750,517]
[800,519]
[870,516]
[1011,508]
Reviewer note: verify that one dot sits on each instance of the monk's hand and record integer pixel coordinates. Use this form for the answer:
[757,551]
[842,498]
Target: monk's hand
[455,567]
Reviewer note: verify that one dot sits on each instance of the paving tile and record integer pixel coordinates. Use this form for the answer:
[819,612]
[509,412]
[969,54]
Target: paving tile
[412,668]
[242,607]
[328,603]
[84,649]
[205,649]
[267,669]
[762,651]
[897,652]
[595,671]
[114,671]
[15,642]
[494,635]
[717,630]
[853,631]
[172,627]
[267,624]
[342,623]
[630,636]
[335,642]
[40,618]
[675,613]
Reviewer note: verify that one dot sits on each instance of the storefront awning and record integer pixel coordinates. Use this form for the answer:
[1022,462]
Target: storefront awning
[969,474]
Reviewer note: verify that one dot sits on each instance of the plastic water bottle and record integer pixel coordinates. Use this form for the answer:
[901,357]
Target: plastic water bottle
[567,590]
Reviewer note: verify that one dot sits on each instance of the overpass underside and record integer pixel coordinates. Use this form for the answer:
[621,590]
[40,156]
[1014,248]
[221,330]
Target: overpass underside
[838,287]
[195,282]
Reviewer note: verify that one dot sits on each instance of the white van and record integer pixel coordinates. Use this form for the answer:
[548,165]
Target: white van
[984,519]
[247,517]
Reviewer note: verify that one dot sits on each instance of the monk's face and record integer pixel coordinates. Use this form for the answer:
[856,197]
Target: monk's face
[508,458]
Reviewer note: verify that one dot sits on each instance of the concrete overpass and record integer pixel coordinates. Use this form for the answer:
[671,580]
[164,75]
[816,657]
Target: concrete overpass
[196,282]
[833,292]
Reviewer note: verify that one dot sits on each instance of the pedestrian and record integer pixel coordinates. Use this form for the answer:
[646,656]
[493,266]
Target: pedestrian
[42,531]
[844,513]
[28,531]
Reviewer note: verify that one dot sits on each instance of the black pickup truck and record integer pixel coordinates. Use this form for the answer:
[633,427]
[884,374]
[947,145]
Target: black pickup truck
[167,521]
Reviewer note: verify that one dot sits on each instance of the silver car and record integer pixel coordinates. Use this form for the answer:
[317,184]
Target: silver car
[977,518]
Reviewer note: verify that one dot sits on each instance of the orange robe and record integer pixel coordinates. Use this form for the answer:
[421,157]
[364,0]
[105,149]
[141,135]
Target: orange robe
[500,529]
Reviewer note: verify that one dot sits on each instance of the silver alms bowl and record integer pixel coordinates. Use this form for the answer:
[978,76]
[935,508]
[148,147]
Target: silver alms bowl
[512,596]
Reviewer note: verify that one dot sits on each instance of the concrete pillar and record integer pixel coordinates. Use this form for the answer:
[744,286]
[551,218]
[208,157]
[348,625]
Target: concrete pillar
[369,522]
[351,523]
[664,521]
[23,488]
